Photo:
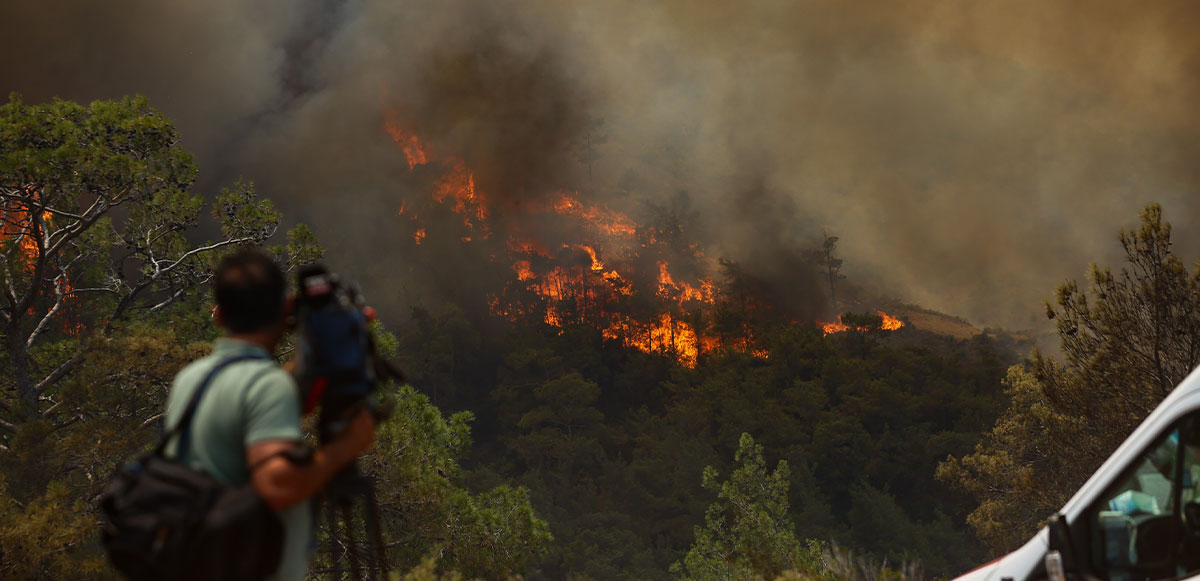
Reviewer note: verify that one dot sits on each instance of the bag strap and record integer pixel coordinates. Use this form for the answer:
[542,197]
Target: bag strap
[183,428]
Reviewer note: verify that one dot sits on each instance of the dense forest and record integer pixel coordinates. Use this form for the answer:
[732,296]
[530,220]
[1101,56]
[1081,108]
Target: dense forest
[541,435]
[612,442]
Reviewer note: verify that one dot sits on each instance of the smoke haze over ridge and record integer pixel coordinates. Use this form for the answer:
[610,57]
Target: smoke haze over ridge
[970,156]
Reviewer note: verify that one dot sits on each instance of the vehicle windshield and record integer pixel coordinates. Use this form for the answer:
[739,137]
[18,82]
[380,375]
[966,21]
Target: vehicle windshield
[1147,524]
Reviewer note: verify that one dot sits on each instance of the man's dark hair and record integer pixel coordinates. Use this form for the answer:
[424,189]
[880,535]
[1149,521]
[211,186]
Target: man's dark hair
[249,289]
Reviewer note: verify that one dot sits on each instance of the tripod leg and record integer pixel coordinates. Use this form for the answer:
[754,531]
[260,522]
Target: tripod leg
[348,521]
[331,521]
[374,533]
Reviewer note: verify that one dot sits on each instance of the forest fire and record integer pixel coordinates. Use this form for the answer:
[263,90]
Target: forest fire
[597,279]
[890,323]
[409,144]
[887,323]
[611,222]
[667,287]
[18,223]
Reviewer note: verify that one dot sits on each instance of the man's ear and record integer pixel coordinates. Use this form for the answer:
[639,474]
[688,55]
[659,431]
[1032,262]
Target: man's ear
[218,316]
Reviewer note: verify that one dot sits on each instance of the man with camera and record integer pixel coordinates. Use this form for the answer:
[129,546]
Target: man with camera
[246,426]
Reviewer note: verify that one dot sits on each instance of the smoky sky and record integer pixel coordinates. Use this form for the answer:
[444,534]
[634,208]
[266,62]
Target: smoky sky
[969,155]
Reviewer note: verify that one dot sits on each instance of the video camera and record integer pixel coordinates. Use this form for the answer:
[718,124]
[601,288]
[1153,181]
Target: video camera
[339,369]
[338,365]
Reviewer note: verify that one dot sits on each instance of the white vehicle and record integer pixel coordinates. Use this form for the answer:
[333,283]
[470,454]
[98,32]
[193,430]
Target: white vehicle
[1137,518]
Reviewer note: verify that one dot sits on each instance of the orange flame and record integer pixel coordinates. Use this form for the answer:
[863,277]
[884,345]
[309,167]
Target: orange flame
[666,336]
[888,323]
[831,328]
[608,221]
[591,252]
[667,287]
[459,184]
[524,270]
[18,225]
[574,291]
[409,144]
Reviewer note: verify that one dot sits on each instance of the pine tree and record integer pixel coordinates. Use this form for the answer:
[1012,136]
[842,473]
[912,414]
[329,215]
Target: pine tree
[1126,342]
[747,533]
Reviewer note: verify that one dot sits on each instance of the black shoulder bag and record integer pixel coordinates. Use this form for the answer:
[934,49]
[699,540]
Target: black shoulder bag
[162,519]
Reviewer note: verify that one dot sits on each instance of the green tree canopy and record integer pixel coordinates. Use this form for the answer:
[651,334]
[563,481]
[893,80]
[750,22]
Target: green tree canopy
[426,512]
[747,532]
[1126,342]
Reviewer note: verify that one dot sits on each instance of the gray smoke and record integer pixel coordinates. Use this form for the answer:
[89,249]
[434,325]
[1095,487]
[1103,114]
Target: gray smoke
[970,156]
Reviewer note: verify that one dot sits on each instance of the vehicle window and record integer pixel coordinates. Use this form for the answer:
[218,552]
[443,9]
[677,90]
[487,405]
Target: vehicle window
[1147,525]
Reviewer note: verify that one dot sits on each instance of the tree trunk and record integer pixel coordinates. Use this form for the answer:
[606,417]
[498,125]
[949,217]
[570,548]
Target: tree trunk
[18,356]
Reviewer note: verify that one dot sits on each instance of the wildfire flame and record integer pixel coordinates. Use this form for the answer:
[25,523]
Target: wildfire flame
[524,270]
[591,252]
[18,225]
[597,291]
[665,335]
[409,144]
[610,222]
[459,184]
[667,287]
[888,323]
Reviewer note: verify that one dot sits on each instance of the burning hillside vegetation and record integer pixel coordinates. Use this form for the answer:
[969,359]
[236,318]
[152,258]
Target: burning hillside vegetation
[571,261]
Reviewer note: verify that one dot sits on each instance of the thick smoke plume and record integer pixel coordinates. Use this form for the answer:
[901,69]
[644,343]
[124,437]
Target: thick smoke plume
[970,156]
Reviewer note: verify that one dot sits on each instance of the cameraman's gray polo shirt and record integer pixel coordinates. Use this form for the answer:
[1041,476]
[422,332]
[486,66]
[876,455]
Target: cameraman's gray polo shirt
[248,402]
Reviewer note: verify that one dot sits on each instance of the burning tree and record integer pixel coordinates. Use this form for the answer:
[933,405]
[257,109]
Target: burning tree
[94,215]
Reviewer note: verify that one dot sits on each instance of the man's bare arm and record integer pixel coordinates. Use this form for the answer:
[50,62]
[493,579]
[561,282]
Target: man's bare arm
[282,483]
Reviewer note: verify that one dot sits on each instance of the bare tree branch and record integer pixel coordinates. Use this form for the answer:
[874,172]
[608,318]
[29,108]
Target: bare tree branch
[59,372]
[186,255]
[175,296]
[152,419]
[42,324]
[72,421]
[78,228]
[159,272]
[97,289]
[50,410]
